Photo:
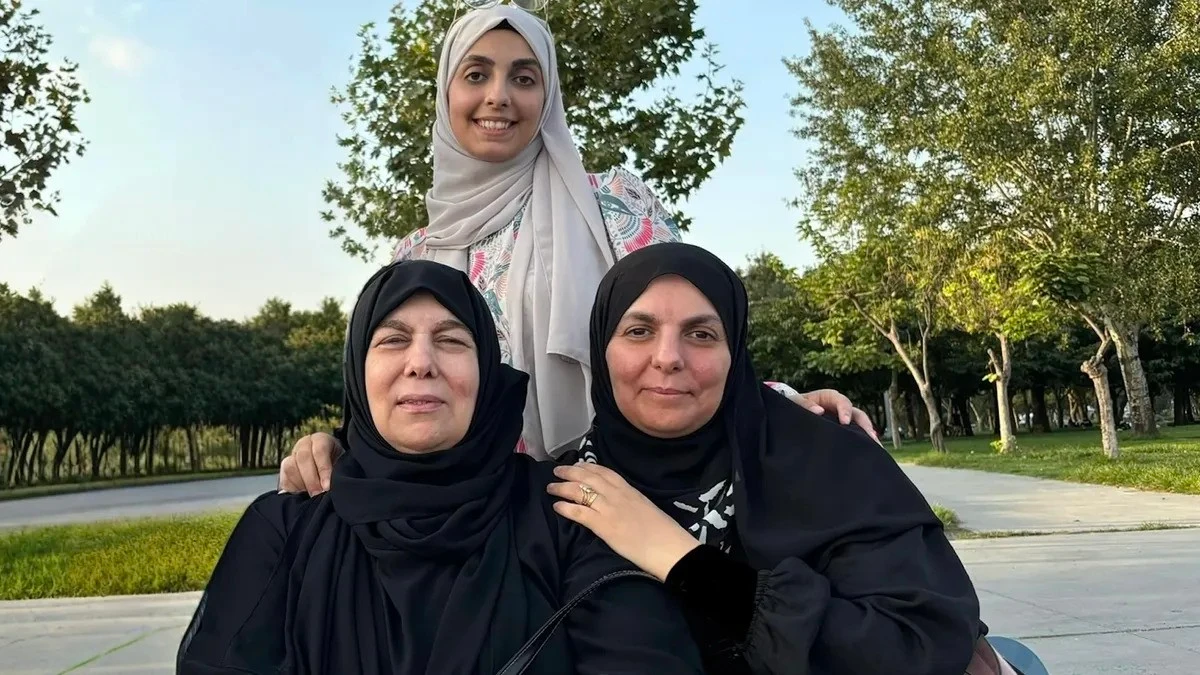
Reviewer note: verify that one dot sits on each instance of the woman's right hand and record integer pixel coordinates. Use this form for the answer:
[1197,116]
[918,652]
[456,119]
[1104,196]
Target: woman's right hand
[310,466]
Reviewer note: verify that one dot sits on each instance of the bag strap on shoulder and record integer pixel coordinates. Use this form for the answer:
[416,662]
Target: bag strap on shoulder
[530,650]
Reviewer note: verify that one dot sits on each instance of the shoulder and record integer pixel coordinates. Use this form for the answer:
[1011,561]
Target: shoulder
[633,214]
[411,247]
[280,512]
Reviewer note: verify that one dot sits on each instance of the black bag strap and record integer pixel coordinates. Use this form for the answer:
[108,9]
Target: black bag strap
[526,655]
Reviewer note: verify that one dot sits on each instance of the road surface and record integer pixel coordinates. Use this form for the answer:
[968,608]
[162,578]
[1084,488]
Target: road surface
[135,502]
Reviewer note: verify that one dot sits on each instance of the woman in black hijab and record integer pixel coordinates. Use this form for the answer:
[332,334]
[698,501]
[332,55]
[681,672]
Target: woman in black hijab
[436,550]
[794,545]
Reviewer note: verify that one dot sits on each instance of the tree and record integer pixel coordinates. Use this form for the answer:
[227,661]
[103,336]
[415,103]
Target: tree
[989,296]
[388,107]
[38,101]
[1082,134]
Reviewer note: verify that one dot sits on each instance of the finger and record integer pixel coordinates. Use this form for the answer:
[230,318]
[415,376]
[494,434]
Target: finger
[863,420]
[602,476]
[807,403]
[583,473]
[569,491]
[845,411]
[324,446]
[578,513]
[290,479]
[574,493]
[303,455]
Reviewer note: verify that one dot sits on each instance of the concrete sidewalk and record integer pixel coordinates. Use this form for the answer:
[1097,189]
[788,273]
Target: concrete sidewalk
[1000,502]
[1112,603]
[119,634]
[1116,603]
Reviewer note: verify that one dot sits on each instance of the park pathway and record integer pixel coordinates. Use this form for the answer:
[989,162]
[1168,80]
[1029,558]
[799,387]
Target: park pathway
[1109,603]
[993,502]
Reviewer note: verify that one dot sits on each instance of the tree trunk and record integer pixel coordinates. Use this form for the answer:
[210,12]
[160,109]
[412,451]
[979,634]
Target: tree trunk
[193,452]
[1095,369]
[1058,405]
[910,411]
[890,398]
[963,411]
[994,415]
[1183,401]
[1041,415]
[937,436]
[1002,373]
[1076,412]
[1141,408]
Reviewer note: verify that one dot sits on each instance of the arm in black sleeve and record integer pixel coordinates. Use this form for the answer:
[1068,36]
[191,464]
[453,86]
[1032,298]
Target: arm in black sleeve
[901,605]
[241,577]
[627,626]
[853,572]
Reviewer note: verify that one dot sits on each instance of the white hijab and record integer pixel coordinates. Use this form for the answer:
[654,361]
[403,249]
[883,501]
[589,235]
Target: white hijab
[562,250]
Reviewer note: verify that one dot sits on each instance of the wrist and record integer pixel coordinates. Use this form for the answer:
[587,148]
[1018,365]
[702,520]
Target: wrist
[671,553]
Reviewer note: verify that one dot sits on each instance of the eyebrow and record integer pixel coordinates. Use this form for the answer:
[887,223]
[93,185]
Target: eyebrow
[698,320]
[519,63]
[439,327]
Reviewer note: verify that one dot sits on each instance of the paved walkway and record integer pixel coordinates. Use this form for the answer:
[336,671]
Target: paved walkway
[1001,502]
[135,502]
[1113,603]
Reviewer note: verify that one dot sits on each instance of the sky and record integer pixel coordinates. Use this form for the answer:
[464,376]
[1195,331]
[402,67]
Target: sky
[211,135]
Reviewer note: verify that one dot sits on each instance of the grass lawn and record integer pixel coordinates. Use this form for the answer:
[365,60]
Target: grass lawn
[1170,463]
[161,555]
[108,483]
[154,555]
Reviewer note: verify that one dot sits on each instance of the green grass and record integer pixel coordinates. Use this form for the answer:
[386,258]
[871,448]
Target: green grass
[1170,463]
[948,517]
[161,555]
[109,483]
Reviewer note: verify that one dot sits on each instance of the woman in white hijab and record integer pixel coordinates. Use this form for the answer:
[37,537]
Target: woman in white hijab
[513,206]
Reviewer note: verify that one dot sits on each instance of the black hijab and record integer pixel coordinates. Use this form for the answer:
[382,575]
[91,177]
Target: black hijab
[410,565]
[777,458]
[675,473]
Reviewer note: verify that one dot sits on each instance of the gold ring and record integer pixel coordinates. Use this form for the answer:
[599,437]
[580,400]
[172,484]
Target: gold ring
[589,495]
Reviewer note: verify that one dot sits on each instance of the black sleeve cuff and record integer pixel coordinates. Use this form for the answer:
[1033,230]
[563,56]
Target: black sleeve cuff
[718,593]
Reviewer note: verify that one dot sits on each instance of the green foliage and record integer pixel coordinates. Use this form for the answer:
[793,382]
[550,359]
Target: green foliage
[38,102]
[610,56]
[104,387]
[119,558]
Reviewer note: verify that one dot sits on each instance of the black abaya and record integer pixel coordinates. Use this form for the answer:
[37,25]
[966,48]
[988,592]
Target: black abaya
[820,556]
[444,562]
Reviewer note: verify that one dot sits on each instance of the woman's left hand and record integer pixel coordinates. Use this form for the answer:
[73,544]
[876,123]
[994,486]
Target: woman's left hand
[623,517]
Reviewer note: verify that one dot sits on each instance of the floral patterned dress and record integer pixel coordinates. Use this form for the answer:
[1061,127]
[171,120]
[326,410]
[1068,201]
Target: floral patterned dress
[633,218]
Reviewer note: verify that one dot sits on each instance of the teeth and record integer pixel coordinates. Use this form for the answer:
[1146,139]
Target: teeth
[494,125]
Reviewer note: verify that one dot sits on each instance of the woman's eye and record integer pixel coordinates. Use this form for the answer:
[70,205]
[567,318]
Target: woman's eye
[637,332]
[475,77]
[525,80]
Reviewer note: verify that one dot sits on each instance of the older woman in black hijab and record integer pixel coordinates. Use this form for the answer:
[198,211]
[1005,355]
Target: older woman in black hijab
[794,544]
[436,550]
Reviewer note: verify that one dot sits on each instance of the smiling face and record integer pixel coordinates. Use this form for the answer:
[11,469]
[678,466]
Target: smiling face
[496,97]
[422,377]
[668,359]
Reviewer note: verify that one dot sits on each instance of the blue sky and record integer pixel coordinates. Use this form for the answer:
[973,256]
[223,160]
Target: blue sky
[211,134]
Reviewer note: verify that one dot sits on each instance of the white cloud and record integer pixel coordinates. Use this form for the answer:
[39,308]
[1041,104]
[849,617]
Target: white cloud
[121,54]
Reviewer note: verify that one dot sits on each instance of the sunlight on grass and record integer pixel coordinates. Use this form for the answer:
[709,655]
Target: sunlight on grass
[1170,463]
[119,558]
